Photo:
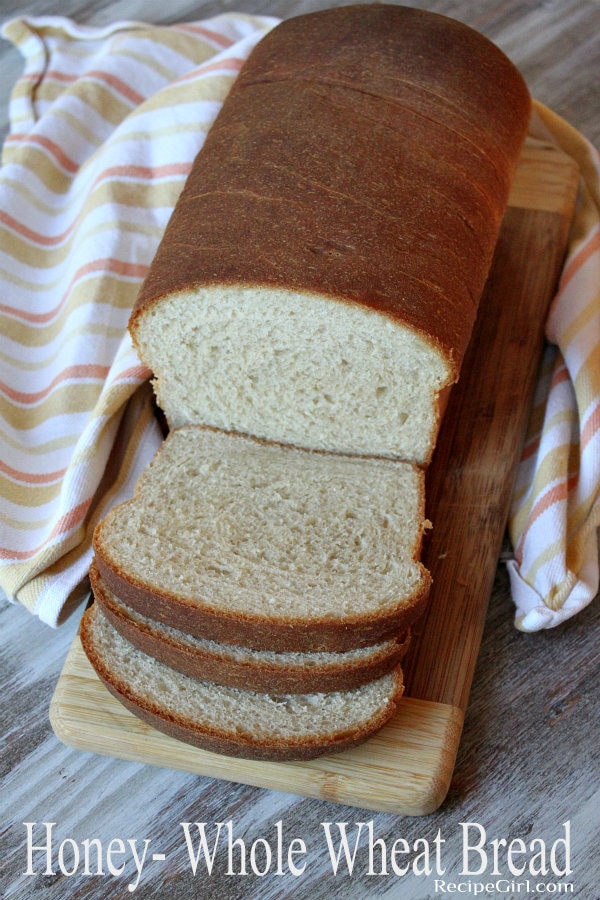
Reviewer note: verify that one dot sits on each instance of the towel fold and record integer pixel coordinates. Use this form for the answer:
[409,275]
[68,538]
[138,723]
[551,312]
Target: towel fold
[105,124]
[555,509]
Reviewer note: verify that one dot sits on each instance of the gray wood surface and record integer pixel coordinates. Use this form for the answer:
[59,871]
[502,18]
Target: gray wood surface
[529,758]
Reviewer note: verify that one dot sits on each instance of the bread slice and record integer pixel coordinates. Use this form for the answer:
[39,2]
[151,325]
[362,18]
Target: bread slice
[229,720]
[319,278]
[268,546]
[257,670]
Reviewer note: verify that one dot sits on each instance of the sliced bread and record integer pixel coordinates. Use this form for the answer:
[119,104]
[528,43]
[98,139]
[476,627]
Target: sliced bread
[257,670]
[229,720]
[319,278]
[269,546]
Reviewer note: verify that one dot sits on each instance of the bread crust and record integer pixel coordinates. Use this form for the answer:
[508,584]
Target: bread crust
[309,179]
[250,674]
[262,632]
[225,743]
[198,618]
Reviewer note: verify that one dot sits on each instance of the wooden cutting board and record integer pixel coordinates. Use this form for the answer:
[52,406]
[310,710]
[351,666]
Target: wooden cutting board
[407,767]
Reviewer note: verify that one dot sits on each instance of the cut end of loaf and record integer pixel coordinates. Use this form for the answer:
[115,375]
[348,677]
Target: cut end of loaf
[229,720]
[319,278]
[321,372]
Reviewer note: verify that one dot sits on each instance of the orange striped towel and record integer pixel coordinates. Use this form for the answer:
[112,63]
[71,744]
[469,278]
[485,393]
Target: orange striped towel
[555,510]
[105,124]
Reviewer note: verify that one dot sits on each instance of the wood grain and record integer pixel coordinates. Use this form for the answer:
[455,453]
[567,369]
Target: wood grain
[407,767]
[470,481]
[529,757]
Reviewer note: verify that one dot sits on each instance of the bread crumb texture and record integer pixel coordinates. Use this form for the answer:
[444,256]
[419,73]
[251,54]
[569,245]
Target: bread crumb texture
[246,715]
[269,530]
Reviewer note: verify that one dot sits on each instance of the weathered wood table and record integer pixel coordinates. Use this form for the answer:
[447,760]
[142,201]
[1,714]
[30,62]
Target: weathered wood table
[528,762]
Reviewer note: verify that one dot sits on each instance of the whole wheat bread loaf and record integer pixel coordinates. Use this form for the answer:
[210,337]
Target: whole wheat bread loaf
[230,720]
[269,546]
[308,310]
[319,278]
[257,670]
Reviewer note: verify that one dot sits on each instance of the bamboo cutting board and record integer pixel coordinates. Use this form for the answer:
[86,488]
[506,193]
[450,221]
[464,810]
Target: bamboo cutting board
[407,767]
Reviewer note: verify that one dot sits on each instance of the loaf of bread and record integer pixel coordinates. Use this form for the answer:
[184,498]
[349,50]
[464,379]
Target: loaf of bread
[269,546]
[256,670]
[319,278]
[230,720]
[304,318]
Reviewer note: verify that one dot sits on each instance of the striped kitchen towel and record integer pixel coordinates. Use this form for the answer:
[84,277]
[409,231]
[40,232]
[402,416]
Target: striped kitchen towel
[555,510]
[105,124]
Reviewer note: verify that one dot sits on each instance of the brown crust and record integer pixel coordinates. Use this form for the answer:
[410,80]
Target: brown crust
[251,674]
[366,218]
[199,619]
[260,633]
[223,743]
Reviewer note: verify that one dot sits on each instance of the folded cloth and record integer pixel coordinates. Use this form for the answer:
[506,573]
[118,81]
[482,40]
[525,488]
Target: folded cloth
[105,124]
[555,511]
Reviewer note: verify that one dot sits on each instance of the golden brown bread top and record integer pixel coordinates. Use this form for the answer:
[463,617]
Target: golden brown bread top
[364,152]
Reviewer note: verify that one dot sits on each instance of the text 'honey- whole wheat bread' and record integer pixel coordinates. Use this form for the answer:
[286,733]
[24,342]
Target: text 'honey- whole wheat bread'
[269,546]
[320,275]
[229,720]
[284,672]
